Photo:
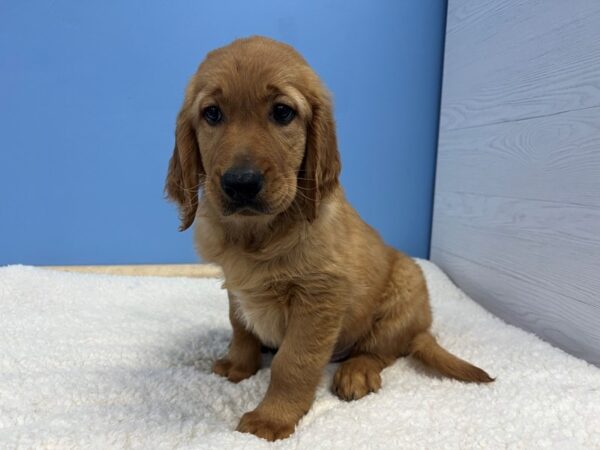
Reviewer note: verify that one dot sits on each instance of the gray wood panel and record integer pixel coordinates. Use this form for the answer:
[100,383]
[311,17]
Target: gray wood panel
[513,59]
[554,158]
[517,201]
[523,310]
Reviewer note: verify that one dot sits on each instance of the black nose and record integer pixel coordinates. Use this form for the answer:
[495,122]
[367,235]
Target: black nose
[242,184]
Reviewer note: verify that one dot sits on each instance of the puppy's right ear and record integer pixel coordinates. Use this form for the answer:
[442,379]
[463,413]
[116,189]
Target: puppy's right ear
[186,173]
[321,166]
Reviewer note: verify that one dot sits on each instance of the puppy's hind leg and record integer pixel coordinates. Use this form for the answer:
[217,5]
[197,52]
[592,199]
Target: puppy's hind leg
[359,375]
[402,312]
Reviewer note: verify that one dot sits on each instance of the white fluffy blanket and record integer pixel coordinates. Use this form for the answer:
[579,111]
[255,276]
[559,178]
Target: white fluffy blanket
[97,361]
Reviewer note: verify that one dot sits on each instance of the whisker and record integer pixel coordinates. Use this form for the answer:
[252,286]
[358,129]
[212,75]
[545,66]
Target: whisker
[192,189]
[297,178]
[306,197]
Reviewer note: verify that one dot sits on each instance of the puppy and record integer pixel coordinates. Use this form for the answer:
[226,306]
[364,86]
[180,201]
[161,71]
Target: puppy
[304,273]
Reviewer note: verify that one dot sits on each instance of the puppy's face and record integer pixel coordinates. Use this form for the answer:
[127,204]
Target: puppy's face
[255,133]
[251,124]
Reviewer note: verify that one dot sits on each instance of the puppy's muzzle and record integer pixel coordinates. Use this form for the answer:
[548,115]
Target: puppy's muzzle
[241,185]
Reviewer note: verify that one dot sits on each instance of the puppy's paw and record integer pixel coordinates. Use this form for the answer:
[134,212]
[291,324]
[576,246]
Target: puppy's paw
[356,378]
[233,372]
[264,427]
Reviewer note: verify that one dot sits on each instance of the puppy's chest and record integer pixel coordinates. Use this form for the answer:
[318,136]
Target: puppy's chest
[266,316]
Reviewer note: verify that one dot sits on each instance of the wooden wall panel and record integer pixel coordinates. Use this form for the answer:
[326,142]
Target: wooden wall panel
[517,203]
[517,59]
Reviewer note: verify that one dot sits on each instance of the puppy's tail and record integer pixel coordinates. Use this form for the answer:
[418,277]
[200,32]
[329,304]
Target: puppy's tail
[425,348]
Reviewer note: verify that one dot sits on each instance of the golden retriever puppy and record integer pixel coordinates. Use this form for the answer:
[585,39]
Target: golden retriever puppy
[304,273]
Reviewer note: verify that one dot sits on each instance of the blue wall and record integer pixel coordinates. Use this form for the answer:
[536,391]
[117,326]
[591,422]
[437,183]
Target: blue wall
[89,92]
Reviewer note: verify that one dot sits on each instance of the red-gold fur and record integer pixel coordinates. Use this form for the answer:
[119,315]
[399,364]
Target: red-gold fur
[308,276]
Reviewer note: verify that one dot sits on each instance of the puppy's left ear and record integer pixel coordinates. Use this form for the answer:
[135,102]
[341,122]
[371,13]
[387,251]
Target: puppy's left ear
[186,173]
[320,172]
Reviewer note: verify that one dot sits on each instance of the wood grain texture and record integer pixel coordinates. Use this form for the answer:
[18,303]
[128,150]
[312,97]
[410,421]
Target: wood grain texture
[521,305]
[554,158]
[513,59]
[517,202]
[525,250]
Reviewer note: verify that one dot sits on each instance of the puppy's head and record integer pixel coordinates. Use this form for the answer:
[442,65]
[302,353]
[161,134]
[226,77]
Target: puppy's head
[255,134]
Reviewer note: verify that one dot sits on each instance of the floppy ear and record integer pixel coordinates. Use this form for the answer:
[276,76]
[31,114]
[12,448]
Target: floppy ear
[186,173]
[321,166]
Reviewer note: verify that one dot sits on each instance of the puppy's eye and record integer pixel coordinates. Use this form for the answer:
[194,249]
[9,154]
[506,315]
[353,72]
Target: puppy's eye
[283,114]
[212,114]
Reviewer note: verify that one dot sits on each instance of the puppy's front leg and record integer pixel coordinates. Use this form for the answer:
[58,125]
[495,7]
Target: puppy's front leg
[295,372]
[243,357]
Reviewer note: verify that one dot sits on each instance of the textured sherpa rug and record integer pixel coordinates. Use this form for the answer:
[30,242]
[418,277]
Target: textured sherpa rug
[98,361]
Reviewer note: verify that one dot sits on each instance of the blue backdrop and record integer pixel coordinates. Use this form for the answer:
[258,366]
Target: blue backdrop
[89,92]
